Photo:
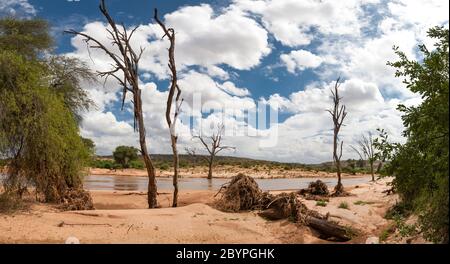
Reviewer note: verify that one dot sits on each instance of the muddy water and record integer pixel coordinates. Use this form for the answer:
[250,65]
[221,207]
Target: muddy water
[129,183]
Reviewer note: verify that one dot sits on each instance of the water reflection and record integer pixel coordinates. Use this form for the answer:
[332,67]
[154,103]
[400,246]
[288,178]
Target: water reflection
[130,183]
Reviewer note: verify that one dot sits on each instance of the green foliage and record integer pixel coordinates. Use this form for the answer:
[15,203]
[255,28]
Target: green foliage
[89,144]
[359,202]
[29,38]
[103,164]
[420,166]
[38,131]
[163,166]
[123,155]
[65,76]
[387,232]
[137,164]
[321,203]
[343,205]
[404,229]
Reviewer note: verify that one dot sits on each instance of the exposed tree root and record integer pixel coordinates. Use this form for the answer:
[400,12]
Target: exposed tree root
[77,199]
[243,193]
[317,191]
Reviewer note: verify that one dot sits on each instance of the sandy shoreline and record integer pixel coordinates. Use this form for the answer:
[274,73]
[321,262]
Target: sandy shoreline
[224,172]
[122,217]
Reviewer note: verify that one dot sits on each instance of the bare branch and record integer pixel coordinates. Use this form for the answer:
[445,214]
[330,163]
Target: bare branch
[338,114]
[213,145]
[126,62]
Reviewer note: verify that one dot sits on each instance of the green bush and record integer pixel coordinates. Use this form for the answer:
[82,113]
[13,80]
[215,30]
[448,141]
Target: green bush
[137,164]
[321,203]
[343,205]
[420,166]
[163,166]
[103,164]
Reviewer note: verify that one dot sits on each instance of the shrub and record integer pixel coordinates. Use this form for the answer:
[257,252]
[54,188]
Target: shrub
[10,203]
[164,166]
[420,166]
[321,203]
[343,205]
[137,164]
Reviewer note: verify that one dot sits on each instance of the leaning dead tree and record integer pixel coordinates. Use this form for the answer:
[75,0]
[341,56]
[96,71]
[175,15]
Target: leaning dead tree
[213,145]
[365,150]
[338,115]
[125,70]
[174,88]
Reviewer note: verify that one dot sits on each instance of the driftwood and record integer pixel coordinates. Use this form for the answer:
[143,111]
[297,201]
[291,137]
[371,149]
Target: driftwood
[316,188]
[243,193]
[317,191]
[328,229]
[81,224]
[77,199]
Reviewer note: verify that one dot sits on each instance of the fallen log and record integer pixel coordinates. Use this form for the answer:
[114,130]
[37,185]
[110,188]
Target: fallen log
[329,229]
[273,214]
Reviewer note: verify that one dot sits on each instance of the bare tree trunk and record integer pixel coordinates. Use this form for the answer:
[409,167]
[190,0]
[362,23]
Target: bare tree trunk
[338,115]
[213,147]
[366,151]
[371,170]
[170,33]
[176,165]
[127,62]
[380,165]
[210,168]
[339,188]
[152,188]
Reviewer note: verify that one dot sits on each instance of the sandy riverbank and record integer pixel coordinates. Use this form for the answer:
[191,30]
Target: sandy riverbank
[225,172]
[121,217]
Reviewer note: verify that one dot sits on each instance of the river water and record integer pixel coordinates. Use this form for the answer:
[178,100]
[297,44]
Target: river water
[132,183]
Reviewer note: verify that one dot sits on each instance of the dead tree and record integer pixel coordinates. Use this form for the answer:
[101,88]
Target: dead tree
[174,88]
[338,115]
[365,150]
[213,146]
[192,152]
[126,63]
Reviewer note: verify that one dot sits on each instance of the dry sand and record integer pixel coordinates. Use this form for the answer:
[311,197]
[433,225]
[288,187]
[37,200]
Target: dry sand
[226,172]
[121,217]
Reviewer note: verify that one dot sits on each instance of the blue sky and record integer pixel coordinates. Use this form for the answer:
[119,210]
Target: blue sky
[74,14]
[241,54]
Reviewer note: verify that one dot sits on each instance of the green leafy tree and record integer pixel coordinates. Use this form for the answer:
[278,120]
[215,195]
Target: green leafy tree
[90,145]
[29,38]
[39,134]
[124,155]
[420,166]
